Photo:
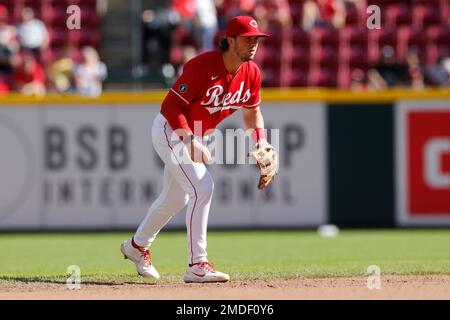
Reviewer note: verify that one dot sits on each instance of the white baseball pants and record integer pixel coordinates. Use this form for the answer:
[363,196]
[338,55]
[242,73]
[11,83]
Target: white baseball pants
[185,182]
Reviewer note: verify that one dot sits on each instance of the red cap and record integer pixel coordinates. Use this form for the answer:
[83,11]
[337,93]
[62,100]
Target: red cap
[243,26]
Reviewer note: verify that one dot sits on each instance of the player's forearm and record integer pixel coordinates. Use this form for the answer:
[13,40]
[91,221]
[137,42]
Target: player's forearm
[253,118]
[175,116]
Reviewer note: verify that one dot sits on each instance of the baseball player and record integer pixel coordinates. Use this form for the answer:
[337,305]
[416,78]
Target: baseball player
[212,87]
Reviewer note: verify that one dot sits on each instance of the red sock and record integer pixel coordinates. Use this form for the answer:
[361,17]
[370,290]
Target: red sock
[135,245]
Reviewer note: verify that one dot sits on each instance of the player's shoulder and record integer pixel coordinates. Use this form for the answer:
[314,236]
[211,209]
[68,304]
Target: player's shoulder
[253,65]
[252,68]
[205,58]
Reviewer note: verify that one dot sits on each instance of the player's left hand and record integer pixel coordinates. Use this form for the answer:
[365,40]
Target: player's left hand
[267,161]
[198,152]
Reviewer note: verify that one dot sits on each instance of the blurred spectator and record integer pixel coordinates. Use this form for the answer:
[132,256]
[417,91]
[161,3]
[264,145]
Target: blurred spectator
[205,24]
[358,81]
[185,8]
[415,69]
[9,47]
[227,9]
[355,12]
[33,34]
[184,55]
[273,14]
[29,77]
[8,33]
[189,52]
[60,72]
[358,5]
[90,73]
[438,74]
[323,13]
[274,17]
[4,85]
[157,36]
[388,72]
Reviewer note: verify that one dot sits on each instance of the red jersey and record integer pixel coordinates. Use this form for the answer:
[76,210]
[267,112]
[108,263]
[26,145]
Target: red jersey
[22,77]
[327,9]
[206,92]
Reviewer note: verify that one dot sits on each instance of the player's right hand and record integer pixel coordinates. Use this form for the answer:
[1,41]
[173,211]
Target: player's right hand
[198,152]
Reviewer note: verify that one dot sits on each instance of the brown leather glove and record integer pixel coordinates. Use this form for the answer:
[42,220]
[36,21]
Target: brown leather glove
[267,161]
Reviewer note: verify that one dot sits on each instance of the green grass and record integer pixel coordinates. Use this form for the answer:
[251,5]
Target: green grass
[245,255]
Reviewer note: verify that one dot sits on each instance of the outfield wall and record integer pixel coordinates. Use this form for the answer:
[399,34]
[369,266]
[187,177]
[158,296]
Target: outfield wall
[349,159]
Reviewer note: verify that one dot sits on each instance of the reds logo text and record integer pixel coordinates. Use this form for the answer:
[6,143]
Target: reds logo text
[225,101]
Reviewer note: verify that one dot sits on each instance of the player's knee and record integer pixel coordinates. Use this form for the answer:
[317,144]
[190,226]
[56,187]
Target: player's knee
[205,187]
[202,189]
[180,203]
[173,205]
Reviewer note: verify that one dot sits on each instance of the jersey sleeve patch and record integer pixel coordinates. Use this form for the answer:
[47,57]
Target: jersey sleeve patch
[183,88]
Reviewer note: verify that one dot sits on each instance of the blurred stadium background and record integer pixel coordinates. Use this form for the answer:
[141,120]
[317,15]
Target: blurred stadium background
[364,114]
[314,43]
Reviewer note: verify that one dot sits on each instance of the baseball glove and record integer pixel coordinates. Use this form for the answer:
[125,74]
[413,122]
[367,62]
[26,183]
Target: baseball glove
[267,161]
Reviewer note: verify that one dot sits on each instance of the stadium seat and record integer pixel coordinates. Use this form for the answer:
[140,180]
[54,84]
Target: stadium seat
[354,56]
[298,77]
[274,40]
[90,3]
[271,62]
[425,15]
[58,37]
[381,3]
[398,14]
[443,50]
[442,35]
[325,56]
[267,52]
[296,13]
[432,54]
[8,3]
[379,38]
[322,78]
[300,37]
[90,37]
[344,77]
[271,77]
[439,42]
[31,3]
[55,16]
[323,35]
[385,36]
[351,16]
[300,56]
[409,37]
[353,35]
[445,10]
[435,3]
[74,36]
[89,16]
[48,56]
[390,2]
[64,3]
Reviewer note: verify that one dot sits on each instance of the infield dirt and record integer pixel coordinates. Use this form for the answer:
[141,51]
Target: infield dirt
[392,287]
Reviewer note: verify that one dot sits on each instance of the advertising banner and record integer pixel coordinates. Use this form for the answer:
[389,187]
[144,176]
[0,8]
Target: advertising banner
[93,166]
[423,163]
